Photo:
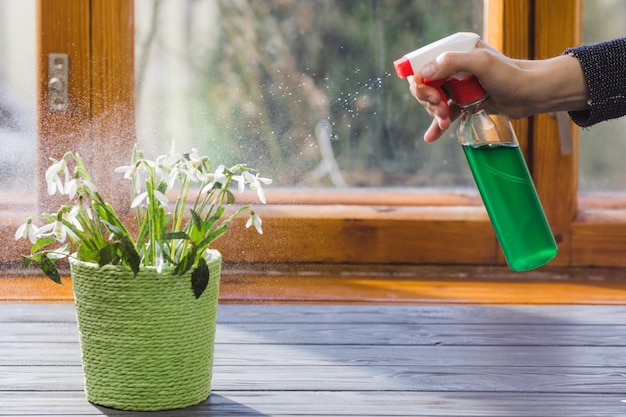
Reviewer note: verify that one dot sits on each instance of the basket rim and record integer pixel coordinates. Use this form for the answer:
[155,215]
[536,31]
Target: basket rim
[212,255]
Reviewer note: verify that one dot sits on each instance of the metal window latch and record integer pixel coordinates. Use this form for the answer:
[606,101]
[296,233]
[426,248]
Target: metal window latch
[58,82]
[565,134]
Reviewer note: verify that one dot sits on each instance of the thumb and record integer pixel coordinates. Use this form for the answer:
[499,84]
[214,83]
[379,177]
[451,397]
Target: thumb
[451,63]
[448,64]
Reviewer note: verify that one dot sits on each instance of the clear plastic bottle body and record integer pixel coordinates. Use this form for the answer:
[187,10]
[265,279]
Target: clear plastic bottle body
[506,187]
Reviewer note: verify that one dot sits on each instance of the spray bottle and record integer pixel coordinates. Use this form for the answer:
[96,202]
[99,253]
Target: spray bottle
[494,157]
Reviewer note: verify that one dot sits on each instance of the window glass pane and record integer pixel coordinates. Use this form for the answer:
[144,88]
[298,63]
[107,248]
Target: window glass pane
[17,96]
[603,146]
[303,90]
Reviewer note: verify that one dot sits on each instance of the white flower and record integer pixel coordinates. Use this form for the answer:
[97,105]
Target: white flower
[241,182]
[166,169]
[195,162]
[133,173]
[70,188]
[81,206]
[255,184]
[29,230]
[180,172]
[77,185]
[219,177]
[255,221]
[72,217]
[53,179]
[128,170]
[56,229]
[60,253]
[141,197]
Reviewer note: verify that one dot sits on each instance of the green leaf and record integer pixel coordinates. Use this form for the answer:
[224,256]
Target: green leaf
[130,255]
[105,255]
[214,235]
[27,260]
[162,187]
[35,257]
[186,262]
[41,243]
[49,268]
[86,253]
[200,278]
[144,231]
[230,197]
[197,220]
[113,229]
[218,215]
[176,235]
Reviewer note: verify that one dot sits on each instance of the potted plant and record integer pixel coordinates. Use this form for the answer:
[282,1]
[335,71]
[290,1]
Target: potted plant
[146,301]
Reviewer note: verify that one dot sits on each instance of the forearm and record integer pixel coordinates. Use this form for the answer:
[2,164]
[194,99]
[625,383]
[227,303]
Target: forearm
[559,85]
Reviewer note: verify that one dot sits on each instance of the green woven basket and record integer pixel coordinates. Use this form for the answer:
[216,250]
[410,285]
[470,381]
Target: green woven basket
[147,342]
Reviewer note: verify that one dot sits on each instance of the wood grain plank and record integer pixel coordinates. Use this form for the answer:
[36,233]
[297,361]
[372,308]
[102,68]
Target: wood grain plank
[351,360]
[64,354]
[394,235]
[599,238]
[573,315]
[353,403]
[423,378]
[364,334]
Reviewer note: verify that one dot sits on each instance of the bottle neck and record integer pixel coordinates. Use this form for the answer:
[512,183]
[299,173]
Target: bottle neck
[476,103]
[466,92]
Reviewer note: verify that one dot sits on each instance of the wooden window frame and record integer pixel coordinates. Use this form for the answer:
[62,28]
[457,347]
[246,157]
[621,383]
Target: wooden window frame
[335,228]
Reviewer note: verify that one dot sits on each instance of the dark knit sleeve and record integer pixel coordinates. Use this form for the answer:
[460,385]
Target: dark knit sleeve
[604,66]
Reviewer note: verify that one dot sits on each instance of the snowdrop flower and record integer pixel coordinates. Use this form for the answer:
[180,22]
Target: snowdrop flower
[88,218]
[77,185]
[128,170]
[167,169]
[53,178]
[255,184]
[255,221]
[71,215]
[81,206]
[29,230]
[181,171]
[241,182]
[71,187]
[141,197]
[55,229]
[132,172]
[217,178]
[194,162]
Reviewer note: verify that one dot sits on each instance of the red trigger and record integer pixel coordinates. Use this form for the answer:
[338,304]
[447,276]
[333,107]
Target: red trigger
[438,85]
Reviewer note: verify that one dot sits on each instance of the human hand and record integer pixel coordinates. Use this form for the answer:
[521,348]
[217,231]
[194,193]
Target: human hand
[518,88]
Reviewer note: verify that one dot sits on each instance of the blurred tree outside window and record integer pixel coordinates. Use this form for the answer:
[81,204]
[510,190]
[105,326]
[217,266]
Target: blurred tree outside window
[303,90]
[603,146]
[18,133]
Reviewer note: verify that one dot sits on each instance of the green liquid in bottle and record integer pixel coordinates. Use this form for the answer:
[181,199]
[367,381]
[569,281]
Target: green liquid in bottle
[511,201]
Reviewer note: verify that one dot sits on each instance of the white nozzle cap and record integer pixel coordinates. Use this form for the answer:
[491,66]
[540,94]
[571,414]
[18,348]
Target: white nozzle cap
[459,42]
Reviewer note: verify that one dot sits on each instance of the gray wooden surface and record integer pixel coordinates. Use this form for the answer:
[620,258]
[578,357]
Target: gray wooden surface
[348,360]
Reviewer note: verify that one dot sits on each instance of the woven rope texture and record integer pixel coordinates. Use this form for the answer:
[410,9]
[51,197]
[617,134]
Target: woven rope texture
[147,342]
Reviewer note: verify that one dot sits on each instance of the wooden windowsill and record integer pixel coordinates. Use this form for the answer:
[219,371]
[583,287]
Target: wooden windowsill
[363,284]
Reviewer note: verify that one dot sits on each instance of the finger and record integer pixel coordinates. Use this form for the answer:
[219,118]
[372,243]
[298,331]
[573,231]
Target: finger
[433,132]
[426,93]
[440,110]
[440,124]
